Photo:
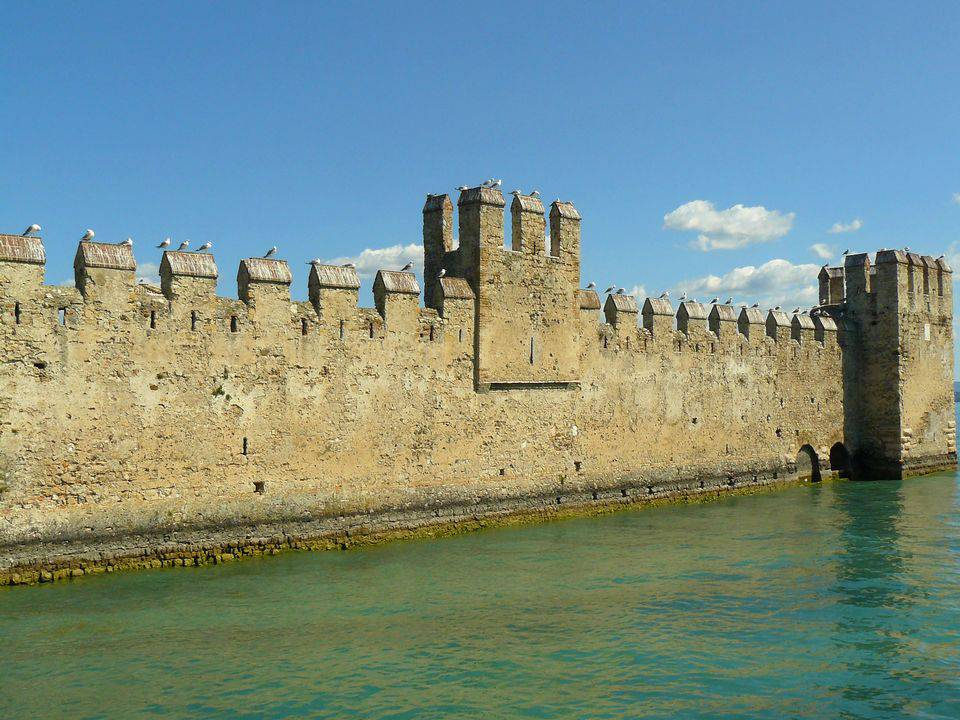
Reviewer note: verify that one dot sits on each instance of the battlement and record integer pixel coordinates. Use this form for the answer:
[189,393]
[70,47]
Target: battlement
[159,409]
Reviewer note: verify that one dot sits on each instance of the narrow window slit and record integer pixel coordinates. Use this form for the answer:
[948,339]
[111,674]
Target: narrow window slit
[431,333]
[62,316]
[244,446]
[304,326]
[16,313]
[341,329]
[259,486]
[531,351]
[371,328]
[153,319]
[193,319]
[234,326]
[461,335]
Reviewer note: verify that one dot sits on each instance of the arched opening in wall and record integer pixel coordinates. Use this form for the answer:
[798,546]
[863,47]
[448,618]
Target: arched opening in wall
[808,464]
[840,460]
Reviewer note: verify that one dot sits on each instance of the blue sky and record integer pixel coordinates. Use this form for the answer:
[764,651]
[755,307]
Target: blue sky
[698,141]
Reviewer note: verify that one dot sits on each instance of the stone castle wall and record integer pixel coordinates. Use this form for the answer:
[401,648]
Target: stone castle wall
[128,411]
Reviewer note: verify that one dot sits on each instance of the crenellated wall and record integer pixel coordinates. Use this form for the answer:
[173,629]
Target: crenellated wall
[132,416]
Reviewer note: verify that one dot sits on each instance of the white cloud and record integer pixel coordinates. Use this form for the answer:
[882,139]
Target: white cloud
[638,291]
[776,282]
[148,272]
[387,258]
[852,226]
[956,198]
[734,227]
[823,251]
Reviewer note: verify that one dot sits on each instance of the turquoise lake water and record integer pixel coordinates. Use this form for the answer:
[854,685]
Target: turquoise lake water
[839,600]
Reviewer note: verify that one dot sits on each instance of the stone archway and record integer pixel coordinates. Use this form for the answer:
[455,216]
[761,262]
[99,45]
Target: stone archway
[808,464]
[840,460]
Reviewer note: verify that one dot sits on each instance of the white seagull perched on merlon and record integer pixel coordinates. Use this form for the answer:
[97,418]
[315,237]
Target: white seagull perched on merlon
[128,242]
[349,265]
[664,295]
[407,267]
[315,261]
[442,273]
[535,193]
[271,252]
[621,291]
[714,301]
[609,289]
[591,286]
[88,235]
[184,245]
[205,246]
[164,244]
[32,229]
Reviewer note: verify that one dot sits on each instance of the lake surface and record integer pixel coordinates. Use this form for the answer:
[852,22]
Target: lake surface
[823,601]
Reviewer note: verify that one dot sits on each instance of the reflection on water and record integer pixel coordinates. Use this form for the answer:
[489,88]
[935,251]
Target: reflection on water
[836,600]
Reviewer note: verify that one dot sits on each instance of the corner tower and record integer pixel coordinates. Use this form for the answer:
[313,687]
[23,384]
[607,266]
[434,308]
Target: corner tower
[898,364]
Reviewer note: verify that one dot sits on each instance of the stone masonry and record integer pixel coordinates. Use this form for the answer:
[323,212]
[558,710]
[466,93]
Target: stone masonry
[158,423]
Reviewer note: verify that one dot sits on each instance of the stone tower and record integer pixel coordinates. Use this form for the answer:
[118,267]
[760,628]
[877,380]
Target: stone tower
[898,362]
[527,308]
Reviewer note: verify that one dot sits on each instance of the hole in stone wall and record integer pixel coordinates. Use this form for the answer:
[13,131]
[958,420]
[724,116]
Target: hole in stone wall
[62,316]
[244,446]
[303,326]
[153,319]
[341,329]
[577,465]
[779,432]
[604,341]
[701,484]
[594,493]
[623,492]
[259,486]
[16,313]
[40,365]
[193,319]
[371,328]
[431,333]
[461,335]
[503,471]
[531,351]
[234,326]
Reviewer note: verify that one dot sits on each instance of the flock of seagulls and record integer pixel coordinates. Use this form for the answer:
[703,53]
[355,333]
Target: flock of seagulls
[614,290]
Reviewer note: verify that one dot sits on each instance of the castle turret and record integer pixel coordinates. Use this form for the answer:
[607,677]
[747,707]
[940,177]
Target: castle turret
[898,365]
[188,276]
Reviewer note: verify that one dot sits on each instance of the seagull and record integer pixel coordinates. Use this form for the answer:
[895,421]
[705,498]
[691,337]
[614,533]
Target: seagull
[621,291]
[407,267]
[664,295]
[315,261]
[535,193]
[683,297]
[205,246]
[128,242]
[32,229]
[516,192]
[443,272]
[165,243]
[492,183]
[591,286]
[846,252]
[796,310]
[755,305]
[906,249]
[272,251]
[714,301]
[183,246]
[88,236]
[609,289]
[729,301]
[940,257]
[462,188]
[349,265]
[776,307]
